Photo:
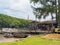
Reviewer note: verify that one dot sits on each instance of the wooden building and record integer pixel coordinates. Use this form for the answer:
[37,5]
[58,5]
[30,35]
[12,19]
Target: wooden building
[42,25]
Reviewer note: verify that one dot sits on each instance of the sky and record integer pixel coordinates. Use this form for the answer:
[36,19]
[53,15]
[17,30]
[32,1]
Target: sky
[18,8]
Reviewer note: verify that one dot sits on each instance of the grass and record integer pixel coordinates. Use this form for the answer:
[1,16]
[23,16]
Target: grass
[34,41]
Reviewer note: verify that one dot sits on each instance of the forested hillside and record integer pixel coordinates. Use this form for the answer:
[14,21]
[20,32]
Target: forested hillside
[12,22]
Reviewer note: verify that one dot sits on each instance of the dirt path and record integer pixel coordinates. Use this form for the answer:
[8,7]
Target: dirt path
[3,39]
[52,36]
[9,39]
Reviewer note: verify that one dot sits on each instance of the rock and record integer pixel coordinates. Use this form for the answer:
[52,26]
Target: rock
[20,35]
[8,35]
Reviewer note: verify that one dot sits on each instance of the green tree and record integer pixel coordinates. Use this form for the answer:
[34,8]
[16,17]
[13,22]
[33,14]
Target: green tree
[12,22]
[47,7]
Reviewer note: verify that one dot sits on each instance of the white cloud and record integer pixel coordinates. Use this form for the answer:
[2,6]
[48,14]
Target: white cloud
[0,4]
[16,8]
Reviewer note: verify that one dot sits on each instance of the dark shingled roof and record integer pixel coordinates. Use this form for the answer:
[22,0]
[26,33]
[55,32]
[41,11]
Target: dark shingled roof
[48,22]
[44,22]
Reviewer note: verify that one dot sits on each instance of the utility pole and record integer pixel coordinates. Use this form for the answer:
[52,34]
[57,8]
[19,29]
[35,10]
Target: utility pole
[28,17]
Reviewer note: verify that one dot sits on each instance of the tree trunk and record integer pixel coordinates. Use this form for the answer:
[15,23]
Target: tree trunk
[56,1]
[52,23]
